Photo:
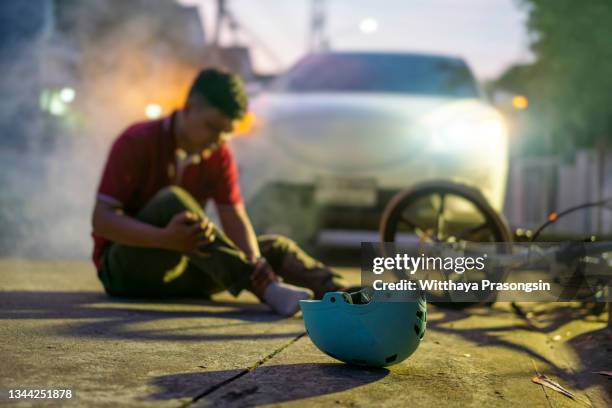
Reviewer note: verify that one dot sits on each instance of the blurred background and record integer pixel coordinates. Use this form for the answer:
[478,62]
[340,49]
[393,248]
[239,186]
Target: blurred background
[76,73]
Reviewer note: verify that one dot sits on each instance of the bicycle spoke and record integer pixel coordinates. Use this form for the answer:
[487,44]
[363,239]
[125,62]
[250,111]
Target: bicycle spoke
[472,230]
[438,232]
[404,220]
[419,231]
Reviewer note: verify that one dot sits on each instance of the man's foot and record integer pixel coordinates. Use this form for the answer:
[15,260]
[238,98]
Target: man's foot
[283,298]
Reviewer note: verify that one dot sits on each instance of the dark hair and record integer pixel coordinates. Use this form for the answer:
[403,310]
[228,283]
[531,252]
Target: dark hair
[221,89]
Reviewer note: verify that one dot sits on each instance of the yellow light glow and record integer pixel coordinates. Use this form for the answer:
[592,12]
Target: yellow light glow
[245,125]
[520,102]
[153,111]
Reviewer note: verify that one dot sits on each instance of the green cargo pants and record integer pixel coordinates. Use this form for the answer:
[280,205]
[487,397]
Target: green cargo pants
[150,272]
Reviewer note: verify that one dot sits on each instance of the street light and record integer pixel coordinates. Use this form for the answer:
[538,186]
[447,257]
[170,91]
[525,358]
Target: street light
[368,25]
[67,95]
[153,111]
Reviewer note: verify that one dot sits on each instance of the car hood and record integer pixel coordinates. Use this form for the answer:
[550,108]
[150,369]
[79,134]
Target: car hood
[351,130]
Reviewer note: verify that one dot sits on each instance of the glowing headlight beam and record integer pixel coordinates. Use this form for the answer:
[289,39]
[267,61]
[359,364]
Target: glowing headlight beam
[465,134]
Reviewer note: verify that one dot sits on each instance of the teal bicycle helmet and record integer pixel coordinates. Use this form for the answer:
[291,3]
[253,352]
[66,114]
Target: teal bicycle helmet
[358,329]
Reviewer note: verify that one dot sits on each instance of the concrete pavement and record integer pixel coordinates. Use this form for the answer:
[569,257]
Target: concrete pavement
[58,330]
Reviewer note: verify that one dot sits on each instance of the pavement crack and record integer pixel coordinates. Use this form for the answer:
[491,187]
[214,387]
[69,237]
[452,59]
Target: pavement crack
[243,372]
[275,352]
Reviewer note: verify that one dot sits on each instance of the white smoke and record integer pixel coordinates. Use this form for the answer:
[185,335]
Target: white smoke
[118,58]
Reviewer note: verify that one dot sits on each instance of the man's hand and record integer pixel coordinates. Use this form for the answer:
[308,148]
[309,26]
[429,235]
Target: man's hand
[186,232]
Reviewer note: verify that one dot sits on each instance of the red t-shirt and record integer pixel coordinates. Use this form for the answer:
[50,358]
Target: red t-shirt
[142,161]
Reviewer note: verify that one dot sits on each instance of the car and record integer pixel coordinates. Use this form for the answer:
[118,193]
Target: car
[340,133]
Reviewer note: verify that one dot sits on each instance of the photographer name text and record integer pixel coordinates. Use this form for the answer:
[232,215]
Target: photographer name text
[452,286]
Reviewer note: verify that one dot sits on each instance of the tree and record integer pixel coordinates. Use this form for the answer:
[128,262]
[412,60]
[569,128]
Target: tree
[570,83]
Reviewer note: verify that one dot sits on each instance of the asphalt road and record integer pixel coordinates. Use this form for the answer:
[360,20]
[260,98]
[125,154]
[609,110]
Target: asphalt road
[59,331]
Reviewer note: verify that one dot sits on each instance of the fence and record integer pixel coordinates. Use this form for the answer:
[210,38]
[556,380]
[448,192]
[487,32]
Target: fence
[539,185]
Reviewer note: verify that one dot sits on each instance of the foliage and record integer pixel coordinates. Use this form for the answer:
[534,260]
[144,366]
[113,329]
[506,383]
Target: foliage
[570,83]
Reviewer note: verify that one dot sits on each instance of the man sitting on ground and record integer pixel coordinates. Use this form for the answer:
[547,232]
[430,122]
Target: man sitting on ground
[151,235]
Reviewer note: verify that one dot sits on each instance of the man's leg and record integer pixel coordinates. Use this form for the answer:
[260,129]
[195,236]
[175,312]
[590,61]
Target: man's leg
[296,267]
[133,271]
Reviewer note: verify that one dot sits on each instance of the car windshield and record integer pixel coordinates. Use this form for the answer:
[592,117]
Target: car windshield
[390,73]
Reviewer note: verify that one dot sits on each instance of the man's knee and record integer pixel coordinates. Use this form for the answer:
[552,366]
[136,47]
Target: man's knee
[278,249]
[177,196]
[168,202]
[275,242]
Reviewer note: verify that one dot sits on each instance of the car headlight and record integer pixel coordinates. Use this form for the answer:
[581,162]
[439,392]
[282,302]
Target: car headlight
[470,134]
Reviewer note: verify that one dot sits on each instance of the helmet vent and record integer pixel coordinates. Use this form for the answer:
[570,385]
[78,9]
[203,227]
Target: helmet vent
[422,315]
[391,359]
[332,299]
[417,330]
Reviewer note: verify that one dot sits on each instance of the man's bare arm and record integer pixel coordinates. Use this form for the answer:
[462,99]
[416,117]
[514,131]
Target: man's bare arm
[237,226]
[183,233]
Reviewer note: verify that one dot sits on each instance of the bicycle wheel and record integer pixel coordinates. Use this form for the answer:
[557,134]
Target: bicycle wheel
[444,211]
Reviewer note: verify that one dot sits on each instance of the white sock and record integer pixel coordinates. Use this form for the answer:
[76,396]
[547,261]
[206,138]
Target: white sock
[284,299]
